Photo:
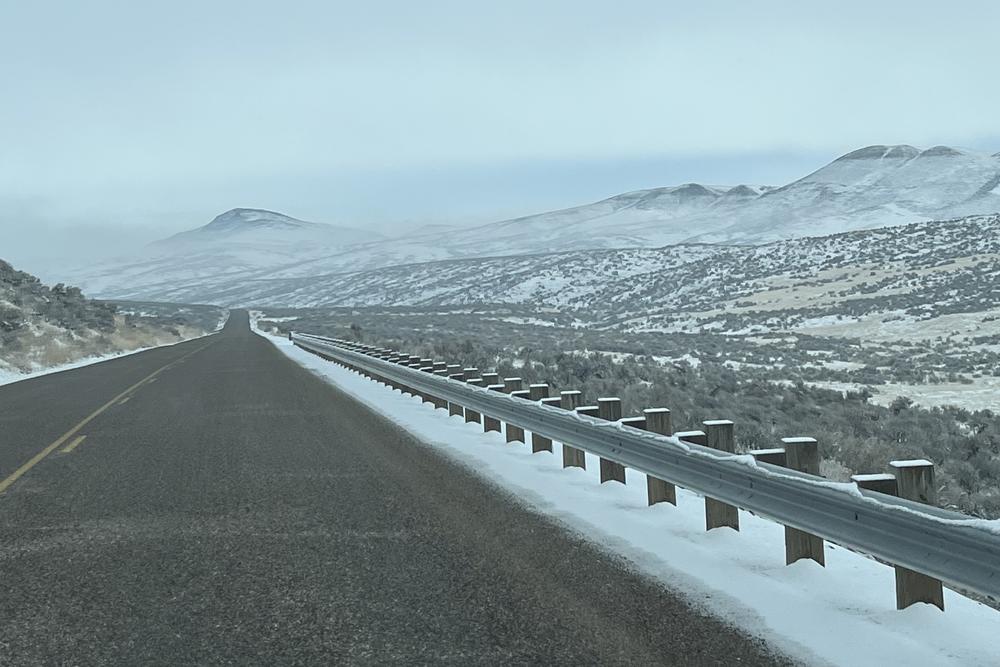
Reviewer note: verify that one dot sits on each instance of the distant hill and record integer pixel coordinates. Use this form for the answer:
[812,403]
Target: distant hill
[239,242]
[252,225]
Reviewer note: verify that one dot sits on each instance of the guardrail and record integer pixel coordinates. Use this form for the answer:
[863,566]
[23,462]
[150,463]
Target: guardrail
[927,545]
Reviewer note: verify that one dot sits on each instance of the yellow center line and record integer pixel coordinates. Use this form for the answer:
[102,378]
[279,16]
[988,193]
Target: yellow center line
[33,461]
[71,446]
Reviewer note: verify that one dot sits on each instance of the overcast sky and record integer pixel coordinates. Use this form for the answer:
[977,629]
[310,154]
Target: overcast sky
[121,122]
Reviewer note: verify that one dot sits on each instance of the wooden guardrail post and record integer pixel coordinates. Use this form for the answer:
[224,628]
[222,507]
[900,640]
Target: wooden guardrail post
[536,392]
[441,368]
[471,416]
[491,423]
[424,396]
[427,366]
[491,381]
[775,456]
[915,481]
[516,433]
[403,388]
[371,374]
[881,482]
[802,454]
[694,437]
[634,422]
[589,411]
[658,420]
[542,443]
[611,410]
[719,435]
[415,365]
[512,384]
[440,403]
[571,456]
[455,408]
[393,359]
[467,374]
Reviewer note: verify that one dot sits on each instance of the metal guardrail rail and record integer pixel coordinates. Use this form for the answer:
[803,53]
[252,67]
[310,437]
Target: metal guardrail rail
[960,551]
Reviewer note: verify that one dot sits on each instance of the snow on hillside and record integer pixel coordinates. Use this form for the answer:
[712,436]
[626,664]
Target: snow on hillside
[875,186]
[237,243]
[243,225]
[872,187]
[944,261]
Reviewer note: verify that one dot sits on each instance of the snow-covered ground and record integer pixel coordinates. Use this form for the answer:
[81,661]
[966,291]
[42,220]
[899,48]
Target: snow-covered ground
[843,614]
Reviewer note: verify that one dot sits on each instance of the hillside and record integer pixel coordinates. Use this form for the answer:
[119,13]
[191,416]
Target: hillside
[905,273]
[911,304]
[876,186]
[43,327]
[873,187]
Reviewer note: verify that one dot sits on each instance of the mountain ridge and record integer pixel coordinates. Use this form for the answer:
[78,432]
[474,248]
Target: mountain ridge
[874,186]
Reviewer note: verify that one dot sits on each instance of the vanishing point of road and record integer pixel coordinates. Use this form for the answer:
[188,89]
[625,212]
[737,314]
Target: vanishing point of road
[213,502]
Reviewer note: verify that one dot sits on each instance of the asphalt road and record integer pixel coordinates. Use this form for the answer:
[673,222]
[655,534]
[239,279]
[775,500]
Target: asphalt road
[231,508]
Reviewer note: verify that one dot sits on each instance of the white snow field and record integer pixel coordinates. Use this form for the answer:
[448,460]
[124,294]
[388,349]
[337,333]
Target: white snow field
[843,614]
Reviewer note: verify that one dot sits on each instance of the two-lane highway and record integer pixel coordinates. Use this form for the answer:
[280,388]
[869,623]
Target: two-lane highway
[214,503]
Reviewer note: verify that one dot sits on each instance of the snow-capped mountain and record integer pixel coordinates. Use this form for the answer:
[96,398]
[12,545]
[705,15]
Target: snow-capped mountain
[640,218]
[877,186]
[871,187]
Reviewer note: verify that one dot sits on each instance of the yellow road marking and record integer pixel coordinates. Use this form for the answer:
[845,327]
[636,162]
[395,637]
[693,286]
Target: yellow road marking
[71,446]
[124,400]
[33,461]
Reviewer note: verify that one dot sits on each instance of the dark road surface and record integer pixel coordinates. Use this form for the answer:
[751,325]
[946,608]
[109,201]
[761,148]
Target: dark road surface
[235,509]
